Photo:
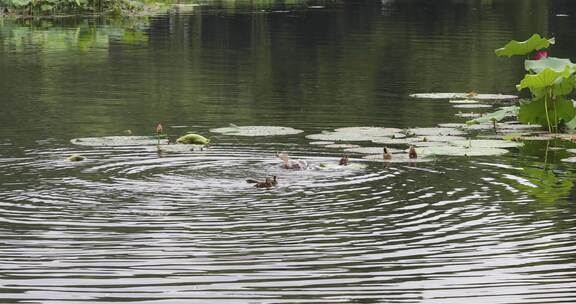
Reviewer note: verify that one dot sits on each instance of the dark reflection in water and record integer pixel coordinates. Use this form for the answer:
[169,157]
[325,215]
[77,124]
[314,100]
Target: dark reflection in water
[128,225]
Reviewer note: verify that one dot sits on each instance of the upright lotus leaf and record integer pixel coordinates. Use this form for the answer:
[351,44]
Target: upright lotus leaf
[544,79]
[564,87]
[533,112]
[553,63]
[504,112]
[534,43]
[571,124]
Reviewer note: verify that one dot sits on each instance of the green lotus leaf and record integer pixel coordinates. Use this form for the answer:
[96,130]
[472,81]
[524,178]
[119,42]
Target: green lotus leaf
[372,150]
[544,79]
[553,63]
[514,47]
[470,96]
[463,101]
[397,158]
[533,112]
[472,106]
[485,143]
[193,139]
[339,136]
[110,141]
[499,115]
[370,131]
[435,131]
[342,146]
[76,157]
[256,131]
[448,150]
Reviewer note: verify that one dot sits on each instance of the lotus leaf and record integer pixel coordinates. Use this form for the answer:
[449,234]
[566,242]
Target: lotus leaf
[471,106]
[193,139]
[256,131]
[435,131]
[485,143]
[371,150]
[544,79]
[337,167]
[555,64]
[495,97]
[394,141]
[534,43]
[108,141]
[370,131]
[460,151]
[339,136]
[463,101]
[321,143]
[342,146]
[468,115]
[569,160]
[534,112]
[499,115]
[76,157]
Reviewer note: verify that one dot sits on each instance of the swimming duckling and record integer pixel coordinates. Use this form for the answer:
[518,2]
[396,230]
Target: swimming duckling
[412,153]
[268,183]
[344,160]
[387,155]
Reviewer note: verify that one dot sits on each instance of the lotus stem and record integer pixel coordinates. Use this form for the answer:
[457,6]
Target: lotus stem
[547,115]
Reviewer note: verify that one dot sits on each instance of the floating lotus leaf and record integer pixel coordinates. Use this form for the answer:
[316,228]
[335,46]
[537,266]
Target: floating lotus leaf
[342,146]
[372,150]
[499,115]
[468,115]
[485,143]
[394,141]
[569,160]
[193,139]
[108,141]
[533,43]
[76,157]
[448,150]
[472,106]
[464,96]
[321,143]
[518,126]
[571,150]
[256,131]
[370,131]
[435,131]
[439,138]
[397,158]
[339,136]
[555,64]
[428,143]
[453,125]
[178,148]
[463,101]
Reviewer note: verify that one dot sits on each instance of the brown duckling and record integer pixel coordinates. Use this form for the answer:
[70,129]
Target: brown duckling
[267,183]
[344,160]
[387,155]
[412,153]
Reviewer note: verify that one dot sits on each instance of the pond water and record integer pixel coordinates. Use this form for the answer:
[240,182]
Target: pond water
[132,225]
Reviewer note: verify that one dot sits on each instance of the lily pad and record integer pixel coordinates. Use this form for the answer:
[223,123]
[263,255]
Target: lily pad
[463,101]
[468,115]
[439,138]
[110,141]
[435,131]
[394,141]
[447,150]
[339,136]
[397,158]
[370,131]
[76,157]
[569,160]
[571,150]
[472,106]
[321,143]
[495,97]
[256,131]
[485,143]
[372,150]
[193,139]
[342,146]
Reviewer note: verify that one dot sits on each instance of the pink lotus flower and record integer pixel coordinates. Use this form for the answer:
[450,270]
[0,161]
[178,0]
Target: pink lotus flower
[540,55]
[159,128]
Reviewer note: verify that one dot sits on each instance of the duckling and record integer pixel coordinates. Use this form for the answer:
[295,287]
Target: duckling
[344,160]
[412,153]
[387,155]
[268,183]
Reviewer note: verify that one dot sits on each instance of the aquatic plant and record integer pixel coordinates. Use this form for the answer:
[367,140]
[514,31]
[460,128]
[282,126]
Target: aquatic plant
[550,82]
